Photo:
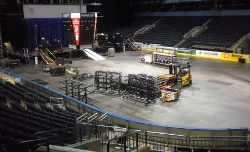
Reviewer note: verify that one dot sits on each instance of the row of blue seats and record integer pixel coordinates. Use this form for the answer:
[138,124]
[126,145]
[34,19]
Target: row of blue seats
[22,120]
[30,96]
[23,126]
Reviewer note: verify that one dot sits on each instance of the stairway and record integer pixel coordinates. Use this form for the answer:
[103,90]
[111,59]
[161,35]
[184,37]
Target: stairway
[93,55]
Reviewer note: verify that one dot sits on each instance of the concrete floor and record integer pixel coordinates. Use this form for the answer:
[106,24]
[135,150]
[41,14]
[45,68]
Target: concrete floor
[218,98]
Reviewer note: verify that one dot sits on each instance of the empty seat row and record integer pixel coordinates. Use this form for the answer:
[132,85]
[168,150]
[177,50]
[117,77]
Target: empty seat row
[170,30]
[221,32]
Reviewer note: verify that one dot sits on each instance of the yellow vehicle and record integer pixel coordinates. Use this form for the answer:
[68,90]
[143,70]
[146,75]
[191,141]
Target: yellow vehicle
[176,74]
[172,83]
[184,76]
[181,69]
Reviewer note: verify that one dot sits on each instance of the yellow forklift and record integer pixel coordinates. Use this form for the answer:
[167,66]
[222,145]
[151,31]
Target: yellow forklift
[182,74]
[172,83]
[186,76]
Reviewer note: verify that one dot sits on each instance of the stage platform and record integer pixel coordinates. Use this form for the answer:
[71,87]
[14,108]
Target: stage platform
[218,98]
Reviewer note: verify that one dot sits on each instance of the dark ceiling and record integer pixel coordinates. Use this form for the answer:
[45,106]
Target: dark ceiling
[140,5]
[163,6]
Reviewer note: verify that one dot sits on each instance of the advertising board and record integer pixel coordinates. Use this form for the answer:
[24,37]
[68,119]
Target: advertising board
[233,57]
[208,54]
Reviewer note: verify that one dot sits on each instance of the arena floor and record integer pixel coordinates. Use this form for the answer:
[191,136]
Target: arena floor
[218,98]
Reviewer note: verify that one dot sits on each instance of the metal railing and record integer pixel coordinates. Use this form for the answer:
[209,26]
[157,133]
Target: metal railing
[103,117]
[124,142]
[58,136]
[158,141]
[220,142]
[29,144]
[114,137]
[81,118]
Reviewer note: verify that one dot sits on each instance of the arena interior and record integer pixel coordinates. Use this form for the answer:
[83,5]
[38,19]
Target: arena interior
[127,75]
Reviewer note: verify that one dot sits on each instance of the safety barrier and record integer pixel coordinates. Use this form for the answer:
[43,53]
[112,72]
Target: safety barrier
[128,122]
[199,53]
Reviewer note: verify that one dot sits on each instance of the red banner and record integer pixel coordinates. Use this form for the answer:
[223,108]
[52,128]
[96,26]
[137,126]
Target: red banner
[95,31]
[76,28]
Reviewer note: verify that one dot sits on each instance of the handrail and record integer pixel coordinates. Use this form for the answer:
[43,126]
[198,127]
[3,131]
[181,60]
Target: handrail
[90,120]
[189,140]
[92,116]
[219,137]
[103,116]
[123,137]
[82,125]
[46,57]
[50,131]
[84,118]
[34,141]
[161,133]
[131,44]
[81,116]
[215,142]
[136,130]
[51,53]
[98,125]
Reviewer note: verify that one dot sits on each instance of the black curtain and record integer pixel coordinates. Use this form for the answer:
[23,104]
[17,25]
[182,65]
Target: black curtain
[14,31]
[48,28]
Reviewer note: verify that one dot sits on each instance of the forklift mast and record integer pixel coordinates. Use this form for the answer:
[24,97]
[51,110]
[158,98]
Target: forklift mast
[174,69]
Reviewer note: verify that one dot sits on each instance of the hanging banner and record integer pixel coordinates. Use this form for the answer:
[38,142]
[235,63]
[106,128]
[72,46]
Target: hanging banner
[95,31]
[79,29]
[75,18]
